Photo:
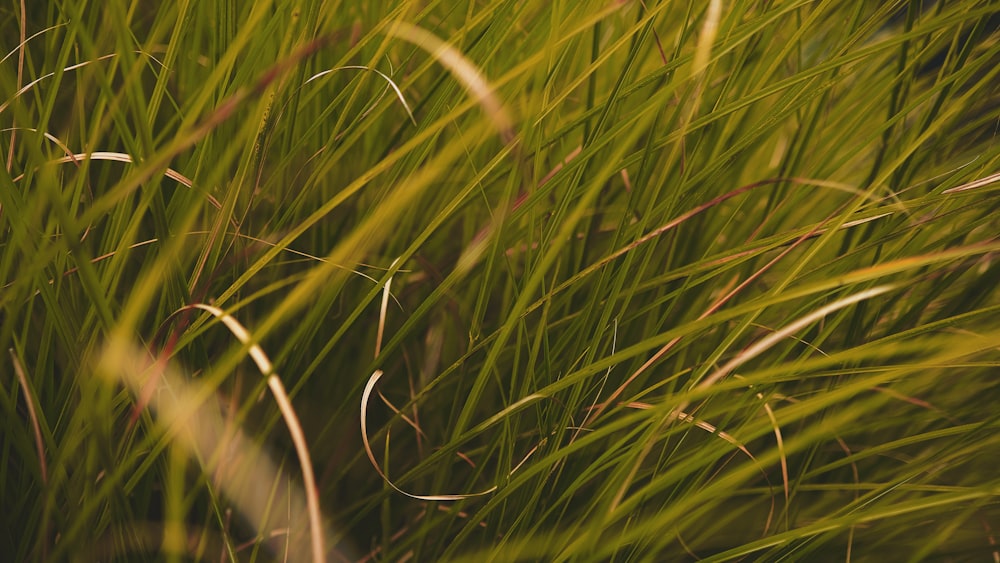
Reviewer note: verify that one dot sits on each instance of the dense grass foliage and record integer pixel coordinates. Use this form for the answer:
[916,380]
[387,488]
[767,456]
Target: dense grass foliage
[599,280]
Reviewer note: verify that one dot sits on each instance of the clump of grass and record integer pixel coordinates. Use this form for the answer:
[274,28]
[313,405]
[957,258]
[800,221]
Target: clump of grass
[598,281]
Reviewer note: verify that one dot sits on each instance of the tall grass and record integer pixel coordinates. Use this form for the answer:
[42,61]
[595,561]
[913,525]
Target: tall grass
[543,280]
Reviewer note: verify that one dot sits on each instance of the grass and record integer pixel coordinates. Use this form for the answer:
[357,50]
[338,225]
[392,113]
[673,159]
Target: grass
[500,280]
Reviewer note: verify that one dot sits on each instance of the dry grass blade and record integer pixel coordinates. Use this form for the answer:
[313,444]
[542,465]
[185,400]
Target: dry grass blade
[291,420]
[31,84]
[992,178]
[463,70]
[365,397]
[122,157]
[771,339]
[383,310]
[781,454]
[389,80]
[29,401]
